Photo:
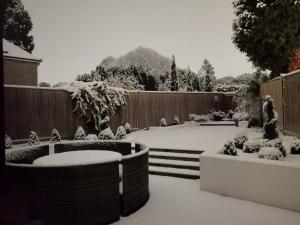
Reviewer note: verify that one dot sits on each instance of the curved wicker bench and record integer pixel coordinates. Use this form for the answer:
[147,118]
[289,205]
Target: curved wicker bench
[82,194]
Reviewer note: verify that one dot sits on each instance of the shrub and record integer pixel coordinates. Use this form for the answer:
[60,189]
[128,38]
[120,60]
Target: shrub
[295,147]
[270,153]
[163,122]
[80,134]
[230,114]
[276,143]
[176,120]
[106,134]
[127,128]
[192,117]
[33,138]
[121,133]
[8,142]
[239,140]
[55,136]
[217,116]
[91,137]
[202,118]
[229,148]
[252,146]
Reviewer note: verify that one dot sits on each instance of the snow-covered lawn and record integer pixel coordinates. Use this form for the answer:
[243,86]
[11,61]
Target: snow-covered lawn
[175,201]
[189,136]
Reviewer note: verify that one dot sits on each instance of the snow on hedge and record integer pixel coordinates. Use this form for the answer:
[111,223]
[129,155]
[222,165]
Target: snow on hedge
[55,136]
[91,97]
[80,134]
[33,138]
[8,142]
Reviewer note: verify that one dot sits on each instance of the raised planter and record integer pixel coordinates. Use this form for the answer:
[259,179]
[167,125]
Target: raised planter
[274,183]
[95,193]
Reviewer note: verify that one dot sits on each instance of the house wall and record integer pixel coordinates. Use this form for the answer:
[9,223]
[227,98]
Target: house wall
[17,72]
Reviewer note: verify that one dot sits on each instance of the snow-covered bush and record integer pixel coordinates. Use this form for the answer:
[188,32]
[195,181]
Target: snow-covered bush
[201,118]
[251,146]
[127,128]
[91,97]
[276,143]
[121,133]
[8,142]
[239,140]
[229,148]
[176,120]
[91,137]
[270,153]
[295,147]
[192,117]
[217,116]
[229,114]
[240,116]
[106,134]
[163,122]
[80,134]
[55,136]
[33,138]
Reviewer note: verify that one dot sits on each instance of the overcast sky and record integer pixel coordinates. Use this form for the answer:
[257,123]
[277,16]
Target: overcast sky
[73,36]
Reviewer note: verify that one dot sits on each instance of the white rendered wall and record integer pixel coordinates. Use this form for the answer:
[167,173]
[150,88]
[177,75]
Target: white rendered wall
[275,183]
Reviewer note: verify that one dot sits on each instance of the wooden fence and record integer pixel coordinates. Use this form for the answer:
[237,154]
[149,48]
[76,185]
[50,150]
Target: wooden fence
[42,109]
[285,91]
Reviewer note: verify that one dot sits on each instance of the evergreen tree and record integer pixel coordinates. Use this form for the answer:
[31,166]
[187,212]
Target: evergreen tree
[268,32]
[208,76]
[174,80]
[17,24]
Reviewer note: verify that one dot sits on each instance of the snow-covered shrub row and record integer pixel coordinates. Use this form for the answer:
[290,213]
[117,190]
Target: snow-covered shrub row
[106,134]
[217,115]
[33,138]
[192,117]
[26,154]
[198,118]
[91,137]
[121,133]
[91,98]
[229,148]
[252,146]
[272,153]
[295,147]
[8,142]
[80,134]
[127,128]
[276,143]
[55,136]
[163,122]
[239,140]
[176,120]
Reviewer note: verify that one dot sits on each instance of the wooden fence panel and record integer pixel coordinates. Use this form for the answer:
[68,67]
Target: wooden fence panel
[43,109]
[291,104]
[286,94]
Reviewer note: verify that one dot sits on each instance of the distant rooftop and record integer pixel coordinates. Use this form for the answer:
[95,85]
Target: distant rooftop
[14,52]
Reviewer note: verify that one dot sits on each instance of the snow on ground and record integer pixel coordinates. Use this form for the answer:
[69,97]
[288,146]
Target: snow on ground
[175,201]
[189,136]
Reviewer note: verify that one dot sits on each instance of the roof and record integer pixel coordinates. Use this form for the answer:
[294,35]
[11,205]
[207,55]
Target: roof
[14,52]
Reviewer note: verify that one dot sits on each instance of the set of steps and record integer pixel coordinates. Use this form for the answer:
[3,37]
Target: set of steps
[174,163]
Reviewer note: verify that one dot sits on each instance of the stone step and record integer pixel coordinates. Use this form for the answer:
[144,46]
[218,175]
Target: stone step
[174,172]
[174,164]
[176,150]
[174,156]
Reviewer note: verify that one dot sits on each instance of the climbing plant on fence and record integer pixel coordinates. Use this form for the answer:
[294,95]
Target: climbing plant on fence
[91,98]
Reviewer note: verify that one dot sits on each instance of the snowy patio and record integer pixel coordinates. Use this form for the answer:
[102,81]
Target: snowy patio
[175,201]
